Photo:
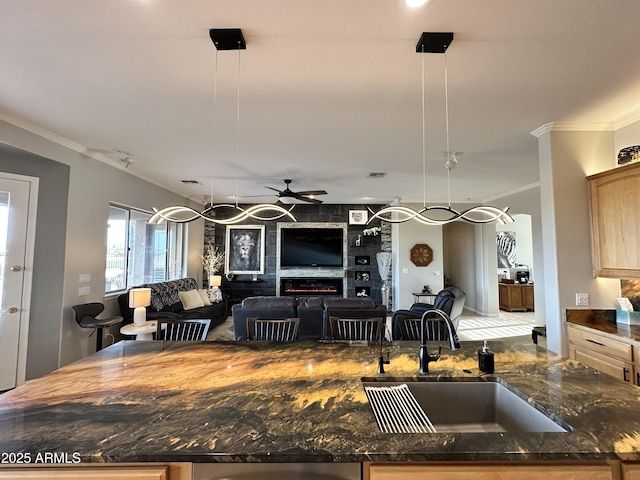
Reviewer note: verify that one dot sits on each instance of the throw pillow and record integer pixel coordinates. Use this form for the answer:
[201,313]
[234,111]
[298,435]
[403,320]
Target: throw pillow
[215,295]
[204,296]
[191,299]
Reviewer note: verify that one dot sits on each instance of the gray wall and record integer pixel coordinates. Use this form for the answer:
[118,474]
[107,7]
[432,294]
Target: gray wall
[74,195]
[49,255]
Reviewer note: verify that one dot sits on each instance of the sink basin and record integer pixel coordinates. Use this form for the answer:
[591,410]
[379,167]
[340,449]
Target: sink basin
[453,406]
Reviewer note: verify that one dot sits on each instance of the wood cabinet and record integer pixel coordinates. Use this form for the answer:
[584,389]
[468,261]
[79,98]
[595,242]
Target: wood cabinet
[465,471]
[140,471]
[611,356]
[515,297]
[630,471]
[615,223]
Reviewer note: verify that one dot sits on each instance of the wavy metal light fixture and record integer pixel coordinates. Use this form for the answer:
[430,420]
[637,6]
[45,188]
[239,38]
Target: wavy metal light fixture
[223,39]
[438,42]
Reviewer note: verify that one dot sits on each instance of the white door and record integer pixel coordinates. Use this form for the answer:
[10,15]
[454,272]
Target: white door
[18,196]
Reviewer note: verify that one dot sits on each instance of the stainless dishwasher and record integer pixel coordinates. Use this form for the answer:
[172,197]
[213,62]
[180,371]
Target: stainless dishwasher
[277,471]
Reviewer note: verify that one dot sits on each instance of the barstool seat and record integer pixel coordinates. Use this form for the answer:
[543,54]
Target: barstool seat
[85,316]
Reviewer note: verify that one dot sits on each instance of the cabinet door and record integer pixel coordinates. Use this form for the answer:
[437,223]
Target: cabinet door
[591,340]
[94,473]
[491,472]
[631,471]
[529,300]
[618,369]
[173,471]
[615,225]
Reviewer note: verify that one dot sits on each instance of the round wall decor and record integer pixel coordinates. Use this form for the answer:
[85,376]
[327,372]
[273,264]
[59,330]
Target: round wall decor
[421,255]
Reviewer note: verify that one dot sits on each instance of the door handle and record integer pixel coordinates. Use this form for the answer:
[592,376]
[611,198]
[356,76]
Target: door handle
[16,268]
[11,310]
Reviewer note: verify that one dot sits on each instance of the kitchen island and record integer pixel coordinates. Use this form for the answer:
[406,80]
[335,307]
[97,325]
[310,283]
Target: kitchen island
[202,402]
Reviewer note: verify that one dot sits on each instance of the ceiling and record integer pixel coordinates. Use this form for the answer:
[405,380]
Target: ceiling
[329,91]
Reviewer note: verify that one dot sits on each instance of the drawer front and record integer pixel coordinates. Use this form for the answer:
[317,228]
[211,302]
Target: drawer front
[601,344]
[618,369]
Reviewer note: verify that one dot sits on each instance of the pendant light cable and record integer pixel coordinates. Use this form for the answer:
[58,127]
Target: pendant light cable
[213,136]
[237,127]
[424,144]
[446,116]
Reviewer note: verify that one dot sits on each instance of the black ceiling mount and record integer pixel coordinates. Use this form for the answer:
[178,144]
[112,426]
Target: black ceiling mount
[434,42]
[228,38]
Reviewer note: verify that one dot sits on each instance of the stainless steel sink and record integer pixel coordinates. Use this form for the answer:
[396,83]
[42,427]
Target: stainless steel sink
[453,406]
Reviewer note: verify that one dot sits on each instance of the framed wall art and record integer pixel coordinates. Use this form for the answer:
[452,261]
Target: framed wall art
[244,249]
[358,217]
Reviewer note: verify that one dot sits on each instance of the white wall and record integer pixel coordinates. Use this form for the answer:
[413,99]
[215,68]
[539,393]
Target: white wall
[55,339]
[404,237]
[566,159]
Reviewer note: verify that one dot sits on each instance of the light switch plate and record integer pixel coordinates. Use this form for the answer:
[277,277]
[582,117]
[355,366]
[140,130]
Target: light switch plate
[84,291]
[582,299]
[85,277]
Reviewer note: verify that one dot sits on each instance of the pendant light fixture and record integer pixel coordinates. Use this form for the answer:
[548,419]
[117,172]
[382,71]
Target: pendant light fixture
[223,39]
[439,42]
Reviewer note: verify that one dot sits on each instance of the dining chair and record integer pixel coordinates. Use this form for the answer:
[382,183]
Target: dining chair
[355,328]
[275,330]
[182,329]
[435,327]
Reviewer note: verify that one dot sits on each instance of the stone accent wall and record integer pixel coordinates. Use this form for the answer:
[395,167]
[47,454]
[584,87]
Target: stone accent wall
[357,281]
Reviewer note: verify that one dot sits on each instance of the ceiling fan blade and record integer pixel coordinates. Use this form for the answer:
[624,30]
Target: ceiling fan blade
[312,192]
[274,189]
[306,199]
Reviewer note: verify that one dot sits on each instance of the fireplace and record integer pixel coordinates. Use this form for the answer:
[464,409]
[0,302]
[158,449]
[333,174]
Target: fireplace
[310,286]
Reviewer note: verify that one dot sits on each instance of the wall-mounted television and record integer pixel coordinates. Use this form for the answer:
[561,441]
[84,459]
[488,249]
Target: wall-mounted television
[311,247]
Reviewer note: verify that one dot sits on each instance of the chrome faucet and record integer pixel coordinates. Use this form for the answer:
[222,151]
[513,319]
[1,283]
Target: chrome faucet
[426,357]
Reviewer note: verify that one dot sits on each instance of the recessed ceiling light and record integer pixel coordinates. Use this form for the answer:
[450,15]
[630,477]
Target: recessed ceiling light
[415,3]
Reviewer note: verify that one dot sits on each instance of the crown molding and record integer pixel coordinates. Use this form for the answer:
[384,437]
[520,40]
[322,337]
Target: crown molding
[524,188]
[573,127]
[76,147]
[628,119]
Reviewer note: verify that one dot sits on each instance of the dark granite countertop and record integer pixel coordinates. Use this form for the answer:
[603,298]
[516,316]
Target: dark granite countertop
[603,321]
[300,402]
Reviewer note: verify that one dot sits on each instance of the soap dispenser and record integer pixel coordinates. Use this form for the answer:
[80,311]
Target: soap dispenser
[485,359]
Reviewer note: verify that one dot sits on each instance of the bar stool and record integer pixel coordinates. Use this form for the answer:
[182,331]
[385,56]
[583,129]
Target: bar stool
[85,315]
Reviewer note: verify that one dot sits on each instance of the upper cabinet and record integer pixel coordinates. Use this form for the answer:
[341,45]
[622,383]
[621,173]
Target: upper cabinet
[615,222]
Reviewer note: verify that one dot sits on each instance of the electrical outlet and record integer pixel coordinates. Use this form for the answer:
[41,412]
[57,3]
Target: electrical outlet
[582,299]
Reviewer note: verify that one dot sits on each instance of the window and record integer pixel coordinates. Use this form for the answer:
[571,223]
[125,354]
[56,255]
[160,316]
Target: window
[140,253]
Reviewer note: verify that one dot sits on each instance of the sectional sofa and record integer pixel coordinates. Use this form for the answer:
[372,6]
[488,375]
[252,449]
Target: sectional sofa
[166,303]
[313,312]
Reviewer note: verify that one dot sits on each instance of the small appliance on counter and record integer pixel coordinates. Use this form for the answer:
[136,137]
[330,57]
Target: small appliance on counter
[520,274]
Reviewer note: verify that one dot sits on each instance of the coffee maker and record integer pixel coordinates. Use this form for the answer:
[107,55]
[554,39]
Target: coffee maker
[520,274]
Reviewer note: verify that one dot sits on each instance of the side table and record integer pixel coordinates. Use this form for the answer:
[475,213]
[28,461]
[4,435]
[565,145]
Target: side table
[430,296]
[142,332]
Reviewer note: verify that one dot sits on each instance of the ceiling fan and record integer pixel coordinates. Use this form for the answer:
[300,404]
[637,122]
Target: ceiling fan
[305,196]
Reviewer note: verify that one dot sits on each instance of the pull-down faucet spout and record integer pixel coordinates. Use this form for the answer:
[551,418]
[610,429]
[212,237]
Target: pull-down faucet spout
[454,343]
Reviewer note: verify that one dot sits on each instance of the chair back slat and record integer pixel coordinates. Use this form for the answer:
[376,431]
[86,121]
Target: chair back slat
[368,329]
[435,328]
[275,330]
[183,330]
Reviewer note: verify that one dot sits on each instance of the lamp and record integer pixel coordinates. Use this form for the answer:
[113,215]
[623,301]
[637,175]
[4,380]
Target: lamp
[439,42]
[215,281]
[139,298]
[223,39]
